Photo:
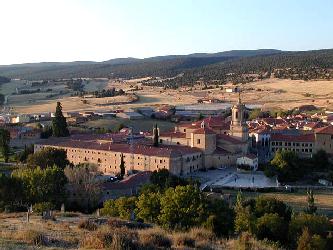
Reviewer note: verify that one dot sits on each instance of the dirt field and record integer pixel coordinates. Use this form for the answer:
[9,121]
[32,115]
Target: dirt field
[270,93]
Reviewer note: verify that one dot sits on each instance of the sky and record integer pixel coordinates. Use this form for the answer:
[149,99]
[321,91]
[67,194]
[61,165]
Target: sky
[98,30]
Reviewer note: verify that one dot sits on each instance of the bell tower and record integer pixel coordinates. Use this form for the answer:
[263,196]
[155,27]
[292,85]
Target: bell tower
[238,127]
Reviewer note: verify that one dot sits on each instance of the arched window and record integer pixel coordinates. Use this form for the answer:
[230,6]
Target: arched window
[236,115]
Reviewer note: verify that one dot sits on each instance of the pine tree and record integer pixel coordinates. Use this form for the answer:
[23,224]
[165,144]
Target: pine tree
[4,143]
[59,124]
[311,209]
[156,135]
[122,166]
[243,217]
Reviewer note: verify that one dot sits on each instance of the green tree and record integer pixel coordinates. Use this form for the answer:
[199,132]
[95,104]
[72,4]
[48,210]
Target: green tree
[316,224]
[148,206]
[310,242]
[11,192]
[48,157]
[23,156]
[243,216]
[110,209]
[221,217]
[287,166]
[59,124]
[266,205]
[156,136]
[320,160]
[42,185]
[311,209]
[272,227]
[4,143]
[182,207]
[124,207]
[122,166]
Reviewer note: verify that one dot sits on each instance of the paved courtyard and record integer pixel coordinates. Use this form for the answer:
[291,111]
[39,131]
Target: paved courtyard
[229,177]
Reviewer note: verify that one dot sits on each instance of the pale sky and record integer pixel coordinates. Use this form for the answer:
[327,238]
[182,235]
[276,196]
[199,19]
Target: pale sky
[97,30]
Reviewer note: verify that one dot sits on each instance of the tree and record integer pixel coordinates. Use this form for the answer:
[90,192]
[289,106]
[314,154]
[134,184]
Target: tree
[123,207]
[316,224]
[310,242]
[122,166]
[164,179]
[320,159]
[59,124]
[272,227]
[266,205]
[48,157]
[156,136]
[85,192]
[11,192]
[287,166]
[42,185]
[23,156]
[311,209]
[182,207]
[221,217]
[243,216]
[148,206]
[4,143]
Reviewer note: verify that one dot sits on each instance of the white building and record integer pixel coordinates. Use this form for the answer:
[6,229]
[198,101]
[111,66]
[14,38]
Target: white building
[248,160]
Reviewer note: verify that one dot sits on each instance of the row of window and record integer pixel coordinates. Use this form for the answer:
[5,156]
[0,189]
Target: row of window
[306,150]
[295,144]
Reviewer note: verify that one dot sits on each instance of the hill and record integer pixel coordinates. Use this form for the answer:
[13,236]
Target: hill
[223,66]
[124,67]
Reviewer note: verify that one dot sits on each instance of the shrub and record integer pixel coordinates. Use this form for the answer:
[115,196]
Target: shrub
[154,238]
[88,225]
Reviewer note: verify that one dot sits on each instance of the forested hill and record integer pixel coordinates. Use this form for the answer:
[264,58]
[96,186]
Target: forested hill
[125,67]
[193,67]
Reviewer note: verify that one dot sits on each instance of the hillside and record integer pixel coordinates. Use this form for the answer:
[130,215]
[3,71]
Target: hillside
[125,67]
[223,66]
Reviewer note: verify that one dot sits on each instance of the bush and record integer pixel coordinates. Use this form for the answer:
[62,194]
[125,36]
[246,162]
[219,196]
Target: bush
[41,207]
[88,225]
[107,238]
[201,234]
[154,238]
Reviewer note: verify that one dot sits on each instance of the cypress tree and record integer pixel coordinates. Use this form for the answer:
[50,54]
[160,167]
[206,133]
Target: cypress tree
[4,143]
[122,166]
[59,124]
[155,136]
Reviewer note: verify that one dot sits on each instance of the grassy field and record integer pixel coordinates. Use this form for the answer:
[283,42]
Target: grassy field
[137,125]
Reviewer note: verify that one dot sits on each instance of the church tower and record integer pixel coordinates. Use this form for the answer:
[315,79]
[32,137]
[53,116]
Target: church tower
[238,127]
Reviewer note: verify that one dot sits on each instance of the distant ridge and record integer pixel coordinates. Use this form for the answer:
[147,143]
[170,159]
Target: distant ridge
[194,66]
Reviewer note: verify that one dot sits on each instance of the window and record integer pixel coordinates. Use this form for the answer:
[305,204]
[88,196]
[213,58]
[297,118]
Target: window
[161,141]
[198,141]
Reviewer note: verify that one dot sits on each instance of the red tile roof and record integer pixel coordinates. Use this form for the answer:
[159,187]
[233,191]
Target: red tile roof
[173,134]
[229,138]
[129,183]
[293,138]
[325,130]
[204,131]
[144,149]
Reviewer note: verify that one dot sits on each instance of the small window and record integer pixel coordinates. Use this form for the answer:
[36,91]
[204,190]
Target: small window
[198,141]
